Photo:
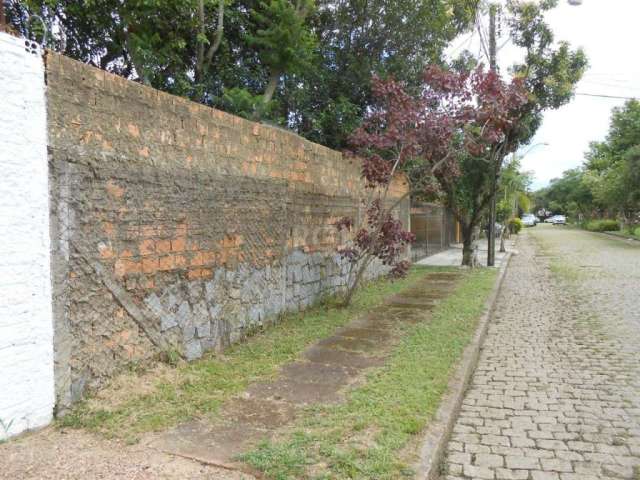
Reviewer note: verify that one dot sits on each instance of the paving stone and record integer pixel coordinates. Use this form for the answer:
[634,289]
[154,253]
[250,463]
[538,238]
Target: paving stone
[478,472]
[556,392]
[556,465]
[535,475]
[510,474]
[522,462]
[488,460]
[618,471]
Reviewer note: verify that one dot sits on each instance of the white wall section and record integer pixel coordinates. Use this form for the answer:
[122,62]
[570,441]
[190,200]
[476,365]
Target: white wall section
[26,329]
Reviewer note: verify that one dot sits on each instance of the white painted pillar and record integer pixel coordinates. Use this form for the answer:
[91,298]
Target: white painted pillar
[26,328]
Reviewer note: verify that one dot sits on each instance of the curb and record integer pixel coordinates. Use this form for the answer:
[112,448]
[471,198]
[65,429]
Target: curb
[620,237]
[440,428]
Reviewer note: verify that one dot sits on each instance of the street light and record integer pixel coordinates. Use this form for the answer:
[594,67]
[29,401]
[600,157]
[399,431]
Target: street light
[545,144]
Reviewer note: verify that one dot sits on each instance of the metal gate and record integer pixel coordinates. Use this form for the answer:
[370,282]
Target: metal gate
[434,229]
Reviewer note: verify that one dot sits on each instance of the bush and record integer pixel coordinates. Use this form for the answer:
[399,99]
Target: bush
[515,225]
[636,232]
[603,226]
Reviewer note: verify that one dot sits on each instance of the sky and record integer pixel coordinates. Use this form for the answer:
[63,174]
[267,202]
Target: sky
[608,31]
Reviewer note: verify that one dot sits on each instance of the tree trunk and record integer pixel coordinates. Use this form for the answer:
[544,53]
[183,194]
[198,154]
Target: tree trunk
[467,246]
[269,91]
[271,87]
[351,289]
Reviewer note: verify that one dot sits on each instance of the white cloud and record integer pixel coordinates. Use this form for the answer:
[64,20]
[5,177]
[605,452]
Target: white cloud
[608,32]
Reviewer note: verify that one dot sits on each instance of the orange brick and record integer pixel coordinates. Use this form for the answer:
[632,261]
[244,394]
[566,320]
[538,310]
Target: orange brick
[167,263]
[180,261]
[118,269]
[114,189]
[107,228]
[193,274]
[229,241]
[163,246]
[178,244]
[106,251]
[147,247]
[197,259]
[199,273]
[150,265]
[125,266]
[134,131]
[208,258]
[131,266]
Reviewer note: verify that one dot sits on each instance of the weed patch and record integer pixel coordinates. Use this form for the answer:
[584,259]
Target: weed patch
[168,394]
[365,437]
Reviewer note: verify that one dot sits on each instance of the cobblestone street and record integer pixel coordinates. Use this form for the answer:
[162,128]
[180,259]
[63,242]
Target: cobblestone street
[556,394]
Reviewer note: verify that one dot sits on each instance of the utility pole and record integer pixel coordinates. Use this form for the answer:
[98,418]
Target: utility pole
[491,231]
[3,20]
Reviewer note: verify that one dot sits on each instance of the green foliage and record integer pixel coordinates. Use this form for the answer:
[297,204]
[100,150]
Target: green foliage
[282,38]
[310,64]
[603,226]
[612,167]
[240,101]
[513,187]
[359,38]
[569,195]
[550,72]
[608,184]
[636,232]
[515,225]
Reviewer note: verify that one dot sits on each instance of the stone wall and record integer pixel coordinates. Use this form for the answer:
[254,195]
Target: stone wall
[26,326]
[179,226]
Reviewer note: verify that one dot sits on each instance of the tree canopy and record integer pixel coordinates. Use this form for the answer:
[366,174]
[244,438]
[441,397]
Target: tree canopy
[608,182]
[302,64]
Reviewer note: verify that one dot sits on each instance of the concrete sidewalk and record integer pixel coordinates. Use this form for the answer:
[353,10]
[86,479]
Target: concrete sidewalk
[453,256]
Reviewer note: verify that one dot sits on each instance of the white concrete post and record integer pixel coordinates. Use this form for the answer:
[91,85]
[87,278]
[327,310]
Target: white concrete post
[26,329]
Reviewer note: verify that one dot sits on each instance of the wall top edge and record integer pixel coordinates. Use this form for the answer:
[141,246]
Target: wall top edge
[249,124]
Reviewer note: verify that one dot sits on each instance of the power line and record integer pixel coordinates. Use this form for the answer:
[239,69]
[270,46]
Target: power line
[606,96]
[611,85]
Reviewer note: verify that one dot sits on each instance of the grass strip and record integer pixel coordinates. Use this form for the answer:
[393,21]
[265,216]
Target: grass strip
[138,402]
[368,435]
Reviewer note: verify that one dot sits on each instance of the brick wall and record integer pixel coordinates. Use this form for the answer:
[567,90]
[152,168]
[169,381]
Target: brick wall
[179,226]
[26,330]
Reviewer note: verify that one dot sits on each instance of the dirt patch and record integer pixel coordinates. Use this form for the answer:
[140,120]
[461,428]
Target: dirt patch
[53,454]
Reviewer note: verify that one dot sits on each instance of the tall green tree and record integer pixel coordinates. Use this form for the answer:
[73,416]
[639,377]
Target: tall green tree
[304,65]
[166,44]
[358,39]
[570,195]
[549,72]
[513,190]
[612,167]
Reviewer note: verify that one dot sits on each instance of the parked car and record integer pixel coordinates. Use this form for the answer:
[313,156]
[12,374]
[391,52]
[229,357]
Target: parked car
[559,220]
[529,220]
[549,219]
